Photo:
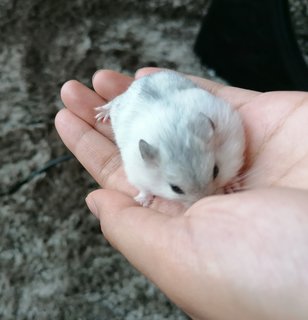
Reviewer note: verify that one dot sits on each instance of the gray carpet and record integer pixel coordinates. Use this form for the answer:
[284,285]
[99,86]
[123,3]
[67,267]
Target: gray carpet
[54,262]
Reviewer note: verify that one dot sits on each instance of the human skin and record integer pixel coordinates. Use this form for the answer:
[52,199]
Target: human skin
[236,256]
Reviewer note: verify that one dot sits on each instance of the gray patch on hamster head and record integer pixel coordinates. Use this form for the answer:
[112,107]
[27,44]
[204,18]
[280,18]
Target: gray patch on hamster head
[189,164]
[185,160]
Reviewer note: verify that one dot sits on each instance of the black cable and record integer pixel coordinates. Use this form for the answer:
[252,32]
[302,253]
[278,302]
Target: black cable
[47,166]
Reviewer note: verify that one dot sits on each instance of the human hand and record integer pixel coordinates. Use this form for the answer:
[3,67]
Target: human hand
[238,256]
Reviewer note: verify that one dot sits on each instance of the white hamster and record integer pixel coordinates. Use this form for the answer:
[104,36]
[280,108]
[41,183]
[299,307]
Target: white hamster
[176,140]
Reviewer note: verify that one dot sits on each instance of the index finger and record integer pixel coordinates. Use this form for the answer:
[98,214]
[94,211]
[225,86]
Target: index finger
[82,100]
[109,84]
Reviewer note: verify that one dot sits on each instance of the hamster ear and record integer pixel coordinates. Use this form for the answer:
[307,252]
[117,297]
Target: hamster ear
[204,118]
[203,126]
[148,153]
[210,121]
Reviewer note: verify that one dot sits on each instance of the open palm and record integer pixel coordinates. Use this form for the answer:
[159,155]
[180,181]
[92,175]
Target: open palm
[226,255]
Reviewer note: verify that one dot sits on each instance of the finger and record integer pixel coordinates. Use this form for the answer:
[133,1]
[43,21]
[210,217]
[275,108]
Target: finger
[85,143]
[144,236]
[120,216]
[235,96]
[82,101]
[109,84]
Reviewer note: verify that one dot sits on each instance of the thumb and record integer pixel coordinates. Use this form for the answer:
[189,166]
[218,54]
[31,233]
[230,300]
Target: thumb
[156,244]
[142,235]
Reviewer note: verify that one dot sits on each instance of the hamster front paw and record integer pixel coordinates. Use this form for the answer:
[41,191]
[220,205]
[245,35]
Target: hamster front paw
[144,198]
[234,186]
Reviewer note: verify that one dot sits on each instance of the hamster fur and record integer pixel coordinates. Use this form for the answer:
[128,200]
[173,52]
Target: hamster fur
[176,140]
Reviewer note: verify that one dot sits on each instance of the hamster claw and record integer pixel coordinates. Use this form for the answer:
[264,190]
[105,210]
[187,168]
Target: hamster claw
[144,198]
[232,187]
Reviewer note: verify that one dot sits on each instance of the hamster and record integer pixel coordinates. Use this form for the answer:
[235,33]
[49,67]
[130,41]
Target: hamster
[176,140]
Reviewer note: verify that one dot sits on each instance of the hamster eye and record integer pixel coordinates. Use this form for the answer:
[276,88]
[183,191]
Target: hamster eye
[215,171]
[176,189]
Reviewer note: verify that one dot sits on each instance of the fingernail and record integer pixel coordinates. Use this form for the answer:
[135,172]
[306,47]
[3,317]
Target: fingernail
[138,72]
[97,71]
[92,206]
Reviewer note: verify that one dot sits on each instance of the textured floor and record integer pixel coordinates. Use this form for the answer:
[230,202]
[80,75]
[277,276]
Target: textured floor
[54,262]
